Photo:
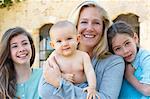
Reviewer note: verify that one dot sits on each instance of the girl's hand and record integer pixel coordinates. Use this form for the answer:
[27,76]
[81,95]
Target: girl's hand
[129,71]
[91,93]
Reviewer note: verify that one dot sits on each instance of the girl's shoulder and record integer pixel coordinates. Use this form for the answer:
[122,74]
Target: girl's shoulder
[37,72]
[142,55]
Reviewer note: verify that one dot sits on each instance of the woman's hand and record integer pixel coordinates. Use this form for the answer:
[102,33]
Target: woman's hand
[91,93]
[51,72]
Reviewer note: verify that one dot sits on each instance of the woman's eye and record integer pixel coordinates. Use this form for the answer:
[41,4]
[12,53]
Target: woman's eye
[83,22]
[97,23]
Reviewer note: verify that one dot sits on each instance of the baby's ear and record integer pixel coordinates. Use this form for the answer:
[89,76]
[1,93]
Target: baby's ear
[52,44]
[78,37]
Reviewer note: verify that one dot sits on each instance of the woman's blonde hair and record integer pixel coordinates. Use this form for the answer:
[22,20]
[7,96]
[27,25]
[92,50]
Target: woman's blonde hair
[101,49]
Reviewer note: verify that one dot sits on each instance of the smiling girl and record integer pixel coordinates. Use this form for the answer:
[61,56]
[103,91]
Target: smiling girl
[123,41]
[17,54]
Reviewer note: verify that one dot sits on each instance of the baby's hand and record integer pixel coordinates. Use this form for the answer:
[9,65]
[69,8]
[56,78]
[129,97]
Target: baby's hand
[69,77]
[91,93]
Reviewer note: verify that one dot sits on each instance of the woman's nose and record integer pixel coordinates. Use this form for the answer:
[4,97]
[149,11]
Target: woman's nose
[89,26]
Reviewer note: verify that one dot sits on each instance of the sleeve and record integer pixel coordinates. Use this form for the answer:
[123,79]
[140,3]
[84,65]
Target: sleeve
[145,64]
[45,89]
[112,78]
[69,91]
[109,85]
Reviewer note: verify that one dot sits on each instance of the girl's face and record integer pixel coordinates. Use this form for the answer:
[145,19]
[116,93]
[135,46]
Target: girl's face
[20,49]
[125,46]
[90,27]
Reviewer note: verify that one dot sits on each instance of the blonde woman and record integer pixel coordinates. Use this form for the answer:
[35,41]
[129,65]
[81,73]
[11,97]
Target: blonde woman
[92,22]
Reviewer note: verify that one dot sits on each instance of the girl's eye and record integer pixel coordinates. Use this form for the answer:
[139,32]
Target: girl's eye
[14,46]
[117,49]
[127,43]
[25,43]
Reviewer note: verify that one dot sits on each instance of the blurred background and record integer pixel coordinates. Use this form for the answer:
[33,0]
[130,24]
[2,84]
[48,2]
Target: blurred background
[37,17]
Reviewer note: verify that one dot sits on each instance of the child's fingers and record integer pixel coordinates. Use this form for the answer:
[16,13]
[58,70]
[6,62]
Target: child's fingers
[88,96]
[97,96]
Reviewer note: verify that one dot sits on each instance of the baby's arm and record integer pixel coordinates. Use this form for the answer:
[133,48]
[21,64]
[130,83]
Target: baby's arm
[143,88]
[91,77]
[52,62]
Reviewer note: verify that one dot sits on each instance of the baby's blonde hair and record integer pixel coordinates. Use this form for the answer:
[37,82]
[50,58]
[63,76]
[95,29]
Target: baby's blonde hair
[61,24]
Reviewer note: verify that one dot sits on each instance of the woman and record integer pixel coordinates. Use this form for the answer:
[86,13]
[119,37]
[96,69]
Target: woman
[17,53]
[92,22]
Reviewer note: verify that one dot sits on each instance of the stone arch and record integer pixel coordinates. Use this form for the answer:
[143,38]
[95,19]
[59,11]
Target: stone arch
[44,39]
[131,19]
[39,31]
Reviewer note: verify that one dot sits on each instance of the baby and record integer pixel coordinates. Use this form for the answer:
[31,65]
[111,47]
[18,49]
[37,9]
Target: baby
[75,65]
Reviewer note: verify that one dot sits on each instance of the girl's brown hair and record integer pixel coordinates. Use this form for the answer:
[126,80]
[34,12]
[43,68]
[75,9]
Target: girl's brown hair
[7,70]
[119,27]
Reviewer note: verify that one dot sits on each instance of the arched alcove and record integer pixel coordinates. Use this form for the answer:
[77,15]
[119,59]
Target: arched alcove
[44,48]
[131,19]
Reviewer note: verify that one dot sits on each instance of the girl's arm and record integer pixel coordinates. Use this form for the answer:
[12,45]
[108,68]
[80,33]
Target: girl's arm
[141,87]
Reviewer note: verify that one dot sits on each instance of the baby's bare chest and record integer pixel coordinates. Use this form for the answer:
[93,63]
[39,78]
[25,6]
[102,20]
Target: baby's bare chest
[70,66]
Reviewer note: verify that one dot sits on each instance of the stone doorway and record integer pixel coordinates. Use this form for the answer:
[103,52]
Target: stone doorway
[131,19]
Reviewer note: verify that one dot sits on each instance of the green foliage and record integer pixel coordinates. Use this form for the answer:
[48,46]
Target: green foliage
[48,53]
[7,3]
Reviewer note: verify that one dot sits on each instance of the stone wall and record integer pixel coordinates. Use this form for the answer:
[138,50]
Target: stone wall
[32,14]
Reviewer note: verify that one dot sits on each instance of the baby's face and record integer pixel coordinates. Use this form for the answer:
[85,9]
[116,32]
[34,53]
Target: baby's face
[125,46]
[65,41]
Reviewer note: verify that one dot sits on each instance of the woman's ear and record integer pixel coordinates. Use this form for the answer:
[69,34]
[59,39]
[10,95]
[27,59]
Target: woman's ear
[136,38]
[52,44]
[78,38]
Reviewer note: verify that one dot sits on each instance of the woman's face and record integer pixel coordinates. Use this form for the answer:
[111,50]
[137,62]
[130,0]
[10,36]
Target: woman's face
[90,26]
[20,49]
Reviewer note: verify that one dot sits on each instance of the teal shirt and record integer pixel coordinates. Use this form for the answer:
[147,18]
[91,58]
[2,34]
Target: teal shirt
[29,89]
[142,73]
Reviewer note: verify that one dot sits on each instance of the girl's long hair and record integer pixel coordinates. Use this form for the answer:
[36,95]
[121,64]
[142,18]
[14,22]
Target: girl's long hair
[7,71]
